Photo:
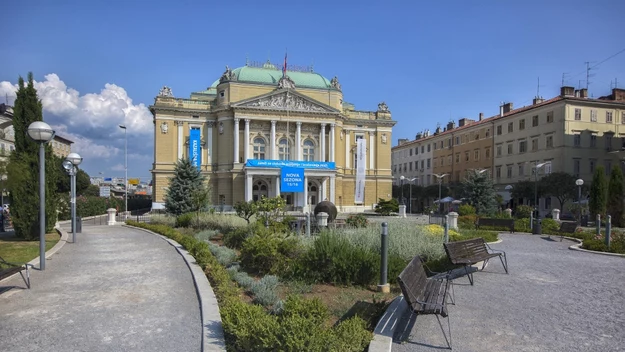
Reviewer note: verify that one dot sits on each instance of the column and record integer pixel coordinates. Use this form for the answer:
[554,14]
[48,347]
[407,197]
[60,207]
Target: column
[332,150]
[246,141]
[277,183]
[305,193]
[180,139]
[323,196]
[272,141]
[236,141]
[347,146]
[332,189]
[248,187]
[209,143]
[322,142]
[371,150]
[298,141]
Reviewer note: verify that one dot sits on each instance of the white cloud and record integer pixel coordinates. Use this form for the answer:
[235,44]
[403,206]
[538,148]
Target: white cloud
[86,147]
[118,167]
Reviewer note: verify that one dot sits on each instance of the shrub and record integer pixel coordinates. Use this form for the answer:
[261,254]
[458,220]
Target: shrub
[236,237]
[466,209]
[467,221]
[549,226]
[523,211]
[163,219]
[206,235]
[264,291]
[225,256]
[268,253]
[358,220]
[244,280]
[185,220]
[386,207]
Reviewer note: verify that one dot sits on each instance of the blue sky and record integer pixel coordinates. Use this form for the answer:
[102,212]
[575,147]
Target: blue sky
[428,61]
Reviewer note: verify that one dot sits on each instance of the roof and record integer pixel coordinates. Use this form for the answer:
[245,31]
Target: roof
[63,139]
[269,74]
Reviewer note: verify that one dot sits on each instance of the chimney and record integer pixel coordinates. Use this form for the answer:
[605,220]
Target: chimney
[438,130]
[481,116]
[418,135]
[583,93]
[501,110]
[618,94]
[402,141]
[505,108]
[567,91]
[461,122]
[451,125]
[537,100]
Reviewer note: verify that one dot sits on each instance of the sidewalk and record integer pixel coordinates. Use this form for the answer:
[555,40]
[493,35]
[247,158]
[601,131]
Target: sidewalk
[116,289]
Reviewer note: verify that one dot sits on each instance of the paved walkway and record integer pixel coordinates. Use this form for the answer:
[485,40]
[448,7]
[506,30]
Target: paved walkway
[554,299]
[116,289]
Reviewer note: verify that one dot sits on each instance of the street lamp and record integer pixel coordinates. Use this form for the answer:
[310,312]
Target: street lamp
[579,182]
[70,165]
[508,188]
[440,182]
[401,185]
[41,133]
[537,166]
[410,195]
[125,171]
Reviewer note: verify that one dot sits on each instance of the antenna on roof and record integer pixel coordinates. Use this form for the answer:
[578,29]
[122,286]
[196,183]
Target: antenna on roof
[563,75]
[538,88]
[247,59]
[312,65]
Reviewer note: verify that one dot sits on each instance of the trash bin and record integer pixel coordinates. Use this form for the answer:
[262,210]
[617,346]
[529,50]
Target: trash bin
[585,220]
[537,227]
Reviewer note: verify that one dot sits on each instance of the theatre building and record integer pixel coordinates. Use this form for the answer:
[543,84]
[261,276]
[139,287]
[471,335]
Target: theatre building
[259,121]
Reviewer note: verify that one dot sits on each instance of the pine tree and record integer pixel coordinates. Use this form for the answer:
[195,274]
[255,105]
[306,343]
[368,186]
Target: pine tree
[615,196]
[480,192]
[23,168]
[183,187]
[598,193]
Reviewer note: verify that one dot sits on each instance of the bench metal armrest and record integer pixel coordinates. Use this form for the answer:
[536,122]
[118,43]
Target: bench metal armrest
[493,250]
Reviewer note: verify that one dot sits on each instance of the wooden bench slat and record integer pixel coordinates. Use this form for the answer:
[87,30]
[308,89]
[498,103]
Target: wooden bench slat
[469,252]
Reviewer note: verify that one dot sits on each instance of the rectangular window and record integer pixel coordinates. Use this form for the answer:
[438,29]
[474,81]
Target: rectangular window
[509,171]
[593,164]
[510,127]
[510,149]
[487,132]
[623,117]
[522,124]
[593,141]
[458,140]
[577,140]
[550,117]
[534,120]
[428,163]
[435,146]
[499,130]
[442,144]
[416,150]
[422,163]
[608,142]
[466,156]
[593,115]
[410,152]
[476,155]
[498,150]
[487,152]
[521,169]
[549,141]
[449,143]
[622,143]
[608,116]
[410,166]
[449,160]
[522,146]
[422,149]
[578,114]
[576,163]
[498,171]
[429,148]
[457,158]
[608,167]
[534,144]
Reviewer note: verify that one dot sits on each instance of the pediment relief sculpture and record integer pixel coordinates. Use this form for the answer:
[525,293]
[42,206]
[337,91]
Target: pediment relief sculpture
[286,101]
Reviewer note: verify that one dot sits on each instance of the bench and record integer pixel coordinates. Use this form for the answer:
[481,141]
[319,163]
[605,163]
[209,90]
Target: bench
[509,223]
[566,227]
[7,269]
[469,252]
[425,295]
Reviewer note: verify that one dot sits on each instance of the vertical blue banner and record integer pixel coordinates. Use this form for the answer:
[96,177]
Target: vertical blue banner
[291,179]
[195,148]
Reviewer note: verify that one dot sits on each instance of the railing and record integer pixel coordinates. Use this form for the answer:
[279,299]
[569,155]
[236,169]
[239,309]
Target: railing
[438,219]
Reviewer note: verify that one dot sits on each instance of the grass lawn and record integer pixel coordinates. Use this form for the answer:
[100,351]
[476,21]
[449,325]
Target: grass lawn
[17,250]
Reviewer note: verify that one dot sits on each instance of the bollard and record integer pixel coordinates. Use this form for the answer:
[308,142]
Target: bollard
[384,286]
[307,224]
[598,225]
[608,230]
[446,236]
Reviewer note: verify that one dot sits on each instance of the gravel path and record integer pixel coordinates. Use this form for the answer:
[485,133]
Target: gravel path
[116,289]
[554,299]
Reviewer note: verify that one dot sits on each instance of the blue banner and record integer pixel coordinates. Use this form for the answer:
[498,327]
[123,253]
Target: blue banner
[195,148]
[291,179]
[291,163]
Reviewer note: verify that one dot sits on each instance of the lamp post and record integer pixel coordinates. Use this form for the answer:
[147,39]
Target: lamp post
[401,185]
[125,171]
[410,195]
[41,133]
[579,182]
[70,165]
[440,183]
[535,227]
[509,190]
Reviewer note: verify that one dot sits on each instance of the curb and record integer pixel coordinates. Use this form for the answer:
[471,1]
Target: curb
[212,331]
[577,247]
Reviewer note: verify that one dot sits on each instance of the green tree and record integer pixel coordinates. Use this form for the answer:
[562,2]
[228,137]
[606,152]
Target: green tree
[23,168]
[63,184]
[480,192]
[200,197]
[615,196]
[598,193]
[187,180]
[560,185]
[386,207]
[246,210]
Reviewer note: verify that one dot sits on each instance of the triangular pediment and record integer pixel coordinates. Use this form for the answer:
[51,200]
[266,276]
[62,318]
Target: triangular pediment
[282,99]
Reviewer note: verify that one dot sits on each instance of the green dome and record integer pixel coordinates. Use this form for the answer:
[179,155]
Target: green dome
[269,74]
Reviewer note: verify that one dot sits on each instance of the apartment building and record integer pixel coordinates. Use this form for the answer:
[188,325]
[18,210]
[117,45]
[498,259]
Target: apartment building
[413,159]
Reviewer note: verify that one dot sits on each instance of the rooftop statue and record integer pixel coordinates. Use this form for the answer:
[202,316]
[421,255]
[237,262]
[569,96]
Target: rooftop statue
[383,107]
[335,83]
[165,92]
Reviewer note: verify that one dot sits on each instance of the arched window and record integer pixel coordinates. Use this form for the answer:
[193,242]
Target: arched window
[309,150]
[283,151]
[259,148]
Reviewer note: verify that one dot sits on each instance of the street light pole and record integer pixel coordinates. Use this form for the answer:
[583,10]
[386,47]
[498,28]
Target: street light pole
[440,183]
[579,182]
[401,185]
[536,168]
[125,171]
[70,165]
[410,195]
[41,133]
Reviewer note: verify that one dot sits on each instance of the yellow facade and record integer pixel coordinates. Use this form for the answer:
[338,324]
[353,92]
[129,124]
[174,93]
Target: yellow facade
[253,113]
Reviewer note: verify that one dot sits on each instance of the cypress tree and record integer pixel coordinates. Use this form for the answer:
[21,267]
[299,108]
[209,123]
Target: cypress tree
[23,168]
[480,192]
[183,186]
[598,193]
[615,196]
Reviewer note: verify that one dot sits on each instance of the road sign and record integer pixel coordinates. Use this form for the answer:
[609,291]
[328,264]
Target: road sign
[105,191]
[292,179]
